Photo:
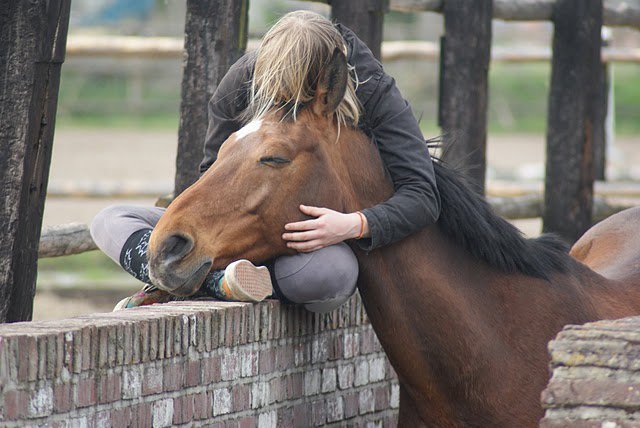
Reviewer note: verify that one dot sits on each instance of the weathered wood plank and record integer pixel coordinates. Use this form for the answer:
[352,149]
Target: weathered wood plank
[32,46]
[575,81]
[215,37]
[65,239]
[623,13]
[464,75]
[365,18]
[166,47]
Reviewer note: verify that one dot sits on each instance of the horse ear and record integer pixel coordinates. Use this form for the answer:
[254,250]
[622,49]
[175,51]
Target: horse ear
[332,84]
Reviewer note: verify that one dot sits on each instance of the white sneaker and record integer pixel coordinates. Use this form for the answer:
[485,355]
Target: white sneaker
[246,282]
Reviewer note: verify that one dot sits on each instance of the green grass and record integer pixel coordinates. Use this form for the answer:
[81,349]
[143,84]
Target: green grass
[93,265]
[517,100]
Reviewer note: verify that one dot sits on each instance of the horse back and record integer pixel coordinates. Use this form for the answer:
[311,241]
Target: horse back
[612,248]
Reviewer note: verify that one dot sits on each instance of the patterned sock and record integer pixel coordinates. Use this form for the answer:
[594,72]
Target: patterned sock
[214,285]
[133,256]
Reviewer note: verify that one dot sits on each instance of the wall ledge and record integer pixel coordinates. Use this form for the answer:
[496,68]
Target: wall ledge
[198,363]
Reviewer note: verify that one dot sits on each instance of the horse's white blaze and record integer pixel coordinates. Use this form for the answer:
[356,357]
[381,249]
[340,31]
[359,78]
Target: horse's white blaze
[249,128]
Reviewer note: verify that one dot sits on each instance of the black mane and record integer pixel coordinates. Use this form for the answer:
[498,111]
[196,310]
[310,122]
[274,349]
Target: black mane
[469,220]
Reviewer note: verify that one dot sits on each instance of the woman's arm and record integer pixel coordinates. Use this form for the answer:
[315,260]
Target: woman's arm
[228,101]
[389,120]
[416,201]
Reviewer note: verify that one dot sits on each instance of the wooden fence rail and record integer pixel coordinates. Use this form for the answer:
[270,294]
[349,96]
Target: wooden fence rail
[74,238]
[621,13]
[168,47]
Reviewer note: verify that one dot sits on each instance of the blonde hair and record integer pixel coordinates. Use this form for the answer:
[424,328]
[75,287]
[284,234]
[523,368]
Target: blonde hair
[288,64]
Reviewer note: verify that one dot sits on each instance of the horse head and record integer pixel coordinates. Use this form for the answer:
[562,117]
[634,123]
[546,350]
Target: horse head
[264,171]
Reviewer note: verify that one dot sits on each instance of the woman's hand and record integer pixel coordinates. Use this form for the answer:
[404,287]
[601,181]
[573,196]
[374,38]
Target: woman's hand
[328,228]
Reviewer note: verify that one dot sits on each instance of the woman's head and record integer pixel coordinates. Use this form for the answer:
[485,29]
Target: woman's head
[289,61]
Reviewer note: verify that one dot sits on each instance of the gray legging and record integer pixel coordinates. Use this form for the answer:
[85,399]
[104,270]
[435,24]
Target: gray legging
[321,280]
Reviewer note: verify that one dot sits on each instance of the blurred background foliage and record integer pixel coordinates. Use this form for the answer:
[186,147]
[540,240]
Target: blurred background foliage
[146,93]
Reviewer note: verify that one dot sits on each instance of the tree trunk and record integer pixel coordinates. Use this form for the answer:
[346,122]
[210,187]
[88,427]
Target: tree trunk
[464,68]
[364,17]
[215,37]
[575,82]
[33,36]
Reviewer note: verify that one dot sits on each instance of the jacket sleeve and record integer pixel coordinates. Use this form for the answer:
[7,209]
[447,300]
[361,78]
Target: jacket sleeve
[229,100]
[416,201]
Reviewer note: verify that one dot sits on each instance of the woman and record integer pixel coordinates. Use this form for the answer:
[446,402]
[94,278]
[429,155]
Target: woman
[282,74]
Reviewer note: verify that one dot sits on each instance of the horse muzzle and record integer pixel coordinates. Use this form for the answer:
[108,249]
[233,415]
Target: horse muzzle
[175,269]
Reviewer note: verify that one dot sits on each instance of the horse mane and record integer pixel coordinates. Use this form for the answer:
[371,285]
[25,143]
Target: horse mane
[468,219]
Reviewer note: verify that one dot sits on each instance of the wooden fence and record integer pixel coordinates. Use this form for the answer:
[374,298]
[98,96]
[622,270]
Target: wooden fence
[216,34]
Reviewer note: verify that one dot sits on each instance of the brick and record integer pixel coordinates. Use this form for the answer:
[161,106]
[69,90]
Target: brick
[277,389]
[320,349]
[229,369]
[346,375]
[141,415]
[153,376]
[301,414]
[120,417]
[109,388]
[86,392]
[312,382]
[193,374]
[268,419]
[259,394]
[41,357]
[284,358]
[318,412]
[362,373]
[241,397]
[336,347]
[202,406]
[103,420]
[163,413]
[173,377]
[295,386]
[177,336]
[377,369]
[15,404]
[335,409]
[40,401]
[381,397]
[267,362]
[366,401]
[249,362]
[247,422]
[62,397]
[394,399]
[222,402]
[328,380]
[131,382]
[211,370]
[351,344]
[351,405]
[153,340]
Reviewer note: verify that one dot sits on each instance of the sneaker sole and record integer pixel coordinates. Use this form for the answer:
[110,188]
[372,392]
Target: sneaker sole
[248,282]
[122,304]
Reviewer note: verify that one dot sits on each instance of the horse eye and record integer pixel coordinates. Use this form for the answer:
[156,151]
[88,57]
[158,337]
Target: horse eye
[274,160]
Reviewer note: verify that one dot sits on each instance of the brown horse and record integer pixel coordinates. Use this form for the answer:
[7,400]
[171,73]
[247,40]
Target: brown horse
[464,309]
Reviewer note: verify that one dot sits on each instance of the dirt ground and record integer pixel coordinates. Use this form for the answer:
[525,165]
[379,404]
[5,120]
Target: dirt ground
[148,158]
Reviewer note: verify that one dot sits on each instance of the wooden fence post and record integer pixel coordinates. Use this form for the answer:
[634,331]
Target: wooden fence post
[215,37]
[33,37]
[464,69]
[364,17]
[575,82]
[601,101]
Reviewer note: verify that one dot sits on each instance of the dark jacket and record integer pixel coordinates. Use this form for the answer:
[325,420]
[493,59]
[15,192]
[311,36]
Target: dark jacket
[387,118]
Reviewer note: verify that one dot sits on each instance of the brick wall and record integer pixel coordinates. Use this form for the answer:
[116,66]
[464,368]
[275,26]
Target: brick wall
[596,376]
[198,363]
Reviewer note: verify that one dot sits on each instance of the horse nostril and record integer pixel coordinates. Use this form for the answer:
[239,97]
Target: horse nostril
[176,247]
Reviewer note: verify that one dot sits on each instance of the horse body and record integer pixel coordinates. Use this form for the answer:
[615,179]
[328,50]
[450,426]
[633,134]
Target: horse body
[464,309]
